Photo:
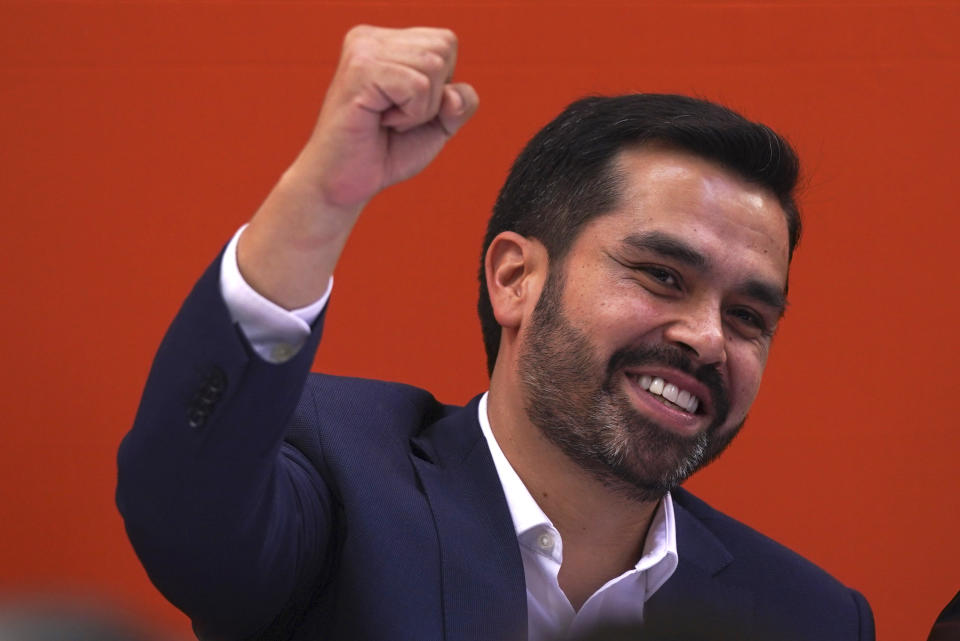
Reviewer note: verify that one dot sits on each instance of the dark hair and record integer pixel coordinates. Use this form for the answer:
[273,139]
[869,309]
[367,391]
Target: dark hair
[565,176]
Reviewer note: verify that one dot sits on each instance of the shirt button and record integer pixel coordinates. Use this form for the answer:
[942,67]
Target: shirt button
[545,541]
[282,352]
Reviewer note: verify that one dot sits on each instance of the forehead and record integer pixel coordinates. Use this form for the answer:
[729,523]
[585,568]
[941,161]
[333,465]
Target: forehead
[703,204]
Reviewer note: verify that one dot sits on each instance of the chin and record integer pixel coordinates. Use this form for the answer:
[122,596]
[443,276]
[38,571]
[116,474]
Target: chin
[649,461]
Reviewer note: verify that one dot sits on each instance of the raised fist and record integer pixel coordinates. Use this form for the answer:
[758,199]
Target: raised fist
[389,110]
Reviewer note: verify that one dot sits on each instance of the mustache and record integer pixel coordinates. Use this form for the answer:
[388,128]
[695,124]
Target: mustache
[675,358]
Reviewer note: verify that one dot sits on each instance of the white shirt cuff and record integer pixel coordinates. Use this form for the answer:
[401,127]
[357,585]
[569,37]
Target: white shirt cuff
[276,334]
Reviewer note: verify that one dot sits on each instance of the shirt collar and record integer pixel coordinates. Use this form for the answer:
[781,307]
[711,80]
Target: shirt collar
[524,510]
[659,550]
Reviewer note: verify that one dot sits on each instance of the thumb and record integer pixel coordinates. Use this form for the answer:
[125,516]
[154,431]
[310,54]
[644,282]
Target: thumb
[459,102]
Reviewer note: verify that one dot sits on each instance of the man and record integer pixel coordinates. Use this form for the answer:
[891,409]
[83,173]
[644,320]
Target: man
[634,272]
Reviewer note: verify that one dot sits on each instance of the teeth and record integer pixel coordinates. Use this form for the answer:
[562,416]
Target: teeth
[669,391]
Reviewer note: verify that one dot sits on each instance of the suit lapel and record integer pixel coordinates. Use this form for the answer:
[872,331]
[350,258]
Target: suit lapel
[694,603]
[484,592]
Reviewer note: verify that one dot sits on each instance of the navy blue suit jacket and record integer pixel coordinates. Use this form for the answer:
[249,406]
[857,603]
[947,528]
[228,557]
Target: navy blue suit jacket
[270,503]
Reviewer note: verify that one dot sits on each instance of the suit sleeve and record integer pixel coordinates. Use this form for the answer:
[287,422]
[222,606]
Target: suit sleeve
[230,523]
[867,631]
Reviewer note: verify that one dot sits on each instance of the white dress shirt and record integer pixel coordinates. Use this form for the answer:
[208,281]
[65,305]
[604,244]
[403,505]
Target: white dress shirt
[277,334]
[621,599]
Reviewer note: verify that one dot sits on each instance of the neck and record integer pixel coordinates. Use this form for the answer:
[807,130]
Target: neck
[603,531]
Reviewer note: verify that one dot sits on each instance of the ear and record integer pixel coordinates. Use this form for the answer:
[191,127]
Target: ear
[516,268]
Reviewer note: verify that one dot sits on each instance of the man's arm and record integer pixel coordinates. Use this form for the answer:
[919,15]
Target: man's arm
[389,110]
[230,522]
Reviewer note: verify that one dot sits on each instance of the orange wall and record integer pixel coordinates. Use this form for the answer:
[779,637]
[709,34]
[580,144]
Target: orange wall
[135,137]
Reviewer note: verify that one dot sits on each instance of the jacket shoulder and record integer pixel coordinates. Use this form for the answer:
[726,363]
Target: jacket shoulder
[749,546]
[788,588]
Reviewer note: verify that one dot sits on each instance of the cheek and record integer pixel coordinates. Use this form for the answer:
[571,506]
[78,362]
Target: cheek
[603,309]
[622,321]
[746,371]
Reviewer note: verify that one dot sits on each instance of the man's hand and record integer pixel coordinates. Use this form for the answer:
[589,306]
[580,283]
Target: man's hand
[389,110]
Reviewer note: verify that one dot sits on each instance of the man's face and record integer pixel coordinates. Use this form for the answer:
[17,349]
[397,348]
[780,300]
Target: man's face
[648,342]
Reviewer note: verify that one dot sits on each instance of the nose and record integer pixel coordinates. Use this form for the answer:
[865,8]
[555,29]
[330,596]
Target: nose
[699,329]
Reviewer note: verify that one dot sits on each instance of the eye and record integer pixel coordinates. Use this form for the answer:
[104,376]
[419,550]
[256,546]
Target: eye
[749,322]
[660,275]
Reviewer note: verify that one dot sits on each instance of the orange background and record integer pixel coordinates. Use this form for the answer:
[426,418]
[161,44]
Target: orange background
[135,137]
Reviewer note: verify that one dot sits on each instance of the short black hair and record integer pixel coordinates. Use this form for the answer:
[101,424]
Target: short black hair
[566,174]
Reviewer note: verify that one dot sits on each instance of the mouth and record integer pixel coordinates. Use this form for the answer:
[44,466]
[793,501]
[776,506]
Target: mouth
[671,395]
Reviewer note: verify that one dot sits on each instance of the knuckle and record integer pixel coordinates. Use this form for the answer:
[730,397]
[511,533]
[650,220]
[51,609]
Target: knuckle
[362,38]
[361,30]
[448,36]
[431,62]
[419,83]
[357,62]
[355,33]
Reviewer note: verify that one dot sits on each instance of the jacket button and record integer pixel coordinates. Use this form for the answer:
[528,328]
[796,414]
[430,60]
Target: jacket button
[196,417]
[217,380]
[208,396]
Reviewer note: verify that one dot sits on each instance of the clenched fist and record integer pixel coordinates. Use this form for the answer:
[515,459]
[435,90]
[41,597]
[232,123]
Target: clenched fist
[389,110]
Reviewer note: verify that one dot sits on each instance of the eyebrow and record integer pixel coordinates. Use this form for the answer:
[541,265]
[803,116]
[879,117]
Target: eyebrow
[672,247]
[668,246]
[766,294]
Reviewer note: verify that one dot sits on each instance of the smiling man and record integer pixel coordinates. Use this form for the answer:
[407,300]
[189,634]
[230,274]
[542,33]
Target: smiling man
[641,364]
[633,275]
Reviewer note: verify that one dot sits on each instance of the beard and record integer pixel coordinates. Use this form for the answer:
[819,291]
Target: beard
[581,406]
